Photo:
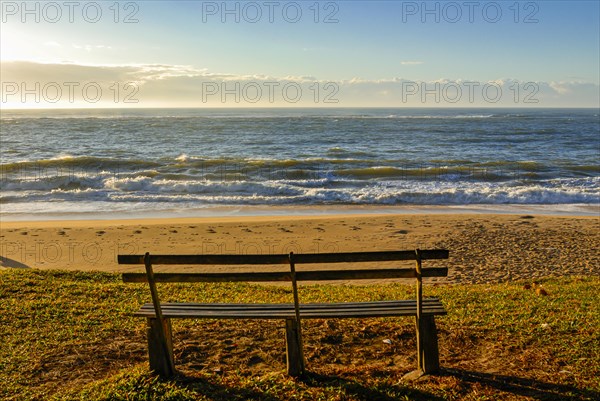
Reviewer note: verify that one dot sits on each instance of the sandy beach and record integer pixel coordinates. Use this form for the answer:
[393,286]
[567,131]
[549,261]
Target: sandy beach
[483,247]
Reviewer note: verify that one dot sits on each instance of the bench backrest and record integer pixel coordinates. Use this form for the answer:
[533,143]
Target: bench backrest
[286,259]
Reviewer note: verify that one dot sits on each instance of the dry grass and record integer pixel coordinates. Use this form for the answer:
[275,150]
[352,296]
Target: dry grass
[71,336]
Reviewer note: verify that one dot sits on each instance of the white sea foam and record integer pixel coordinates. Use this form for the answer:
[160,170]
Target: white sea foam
[109,160]
[147,190]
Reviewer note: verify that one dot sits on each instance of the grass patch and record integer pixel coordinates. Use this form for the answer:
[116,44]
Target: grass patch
[71,336]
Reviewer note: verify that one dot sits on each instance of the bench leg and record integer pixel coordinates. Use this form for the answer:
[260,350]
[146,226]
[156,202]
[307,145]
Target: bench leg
[160,351]
[295,362]
[429,353]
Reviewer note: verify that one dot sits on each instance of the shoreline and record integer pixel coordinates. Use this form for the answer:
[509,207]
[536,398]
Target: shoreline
[309,211]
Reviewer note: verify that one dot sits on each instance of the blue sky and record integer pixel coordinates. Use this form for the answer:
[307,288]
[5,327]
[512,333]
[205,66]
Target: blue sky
[554,44]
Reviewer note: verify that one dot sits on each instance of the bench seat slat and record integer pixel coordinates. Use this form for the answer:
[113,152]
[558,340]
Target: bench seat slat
[291,314]
[286,311]
[278,310]
[321,275]
[400,303]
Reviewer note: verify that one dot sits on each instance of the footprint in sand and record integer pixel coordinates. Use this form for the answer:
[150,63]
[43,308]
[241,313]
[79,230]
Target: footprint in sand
[285,230]
[173,231]
[247,230]
[403,232]
[211,231]
[137,232]
[355,228]
[100,232]
[23,233]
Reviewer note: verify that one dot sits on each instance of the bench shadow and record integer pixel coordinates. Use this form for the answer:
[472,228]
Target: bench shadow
[352,388]
[524,387]
[362,392]
[13,264]
[221,392]
[518,386]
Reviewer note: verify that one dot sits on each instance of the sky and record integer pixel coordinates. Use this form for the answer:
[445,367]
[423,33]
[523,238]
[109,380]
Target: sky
[300,54]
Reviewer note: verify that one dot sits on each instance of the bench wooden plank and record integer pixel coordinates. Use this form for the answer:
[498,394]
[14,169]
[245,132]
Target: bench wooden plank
[287,314]
[431,306]
[281,259]
[382,256]
[290,314]
[167,305]
[208,277]
[321,275]
[408,309]
[287,307]
[363,274]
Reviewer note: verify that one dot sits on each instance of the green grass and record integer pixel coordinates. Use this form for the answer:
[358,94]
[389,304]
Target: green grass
[71,336]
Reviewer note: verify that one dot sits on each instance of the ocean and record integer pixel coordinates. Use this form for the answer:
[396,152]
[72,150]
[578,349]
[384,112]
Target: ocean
[173,160]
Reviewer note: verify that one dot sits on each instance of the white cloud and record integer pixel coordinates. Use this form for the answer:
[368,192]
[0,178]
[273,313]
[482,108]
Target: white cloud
[88,48]
[159,85]
[412,62]
[561,88]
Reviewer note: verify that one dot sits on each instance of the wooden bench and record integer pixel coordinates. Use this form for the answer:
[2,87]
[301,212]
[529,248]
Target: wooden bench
[158,315]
